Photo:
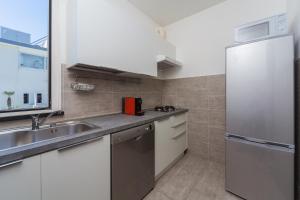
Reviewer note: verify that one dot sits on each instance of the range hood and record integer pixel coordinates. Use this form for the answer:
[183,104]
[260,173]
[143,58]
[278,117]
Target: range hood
[165,62]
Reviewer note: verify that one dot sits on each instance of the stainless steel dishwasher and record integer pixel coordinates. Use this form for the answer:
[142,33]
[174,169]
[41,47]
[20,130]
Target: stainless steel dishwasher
[133,163]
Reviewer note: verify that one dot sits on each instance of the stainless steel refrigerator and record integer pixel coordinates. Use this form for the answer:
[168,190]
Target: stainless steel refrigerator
[260,119]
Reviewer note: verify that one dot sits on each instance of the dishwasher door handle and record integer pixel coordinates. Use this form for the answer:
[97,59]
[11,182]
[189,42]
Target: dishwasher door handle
[138,138]
[133,134]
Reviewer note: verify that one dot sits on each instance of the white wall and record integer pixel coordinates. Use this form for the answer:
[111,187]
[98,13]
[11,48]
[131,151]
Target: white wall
[201,39]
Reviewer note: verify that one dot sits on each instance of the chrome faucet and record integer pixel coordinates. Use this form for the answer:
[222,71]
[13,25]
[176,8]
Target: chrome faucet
[36,122]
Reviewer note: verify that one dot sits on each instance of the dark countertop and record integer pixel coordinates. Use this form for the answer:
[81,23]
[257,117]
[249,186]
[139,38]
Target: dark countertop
[108,124]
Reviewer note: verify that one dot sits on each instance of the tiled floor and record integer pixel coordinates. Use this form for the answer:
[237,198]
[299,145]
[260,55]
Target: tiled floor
[192,178]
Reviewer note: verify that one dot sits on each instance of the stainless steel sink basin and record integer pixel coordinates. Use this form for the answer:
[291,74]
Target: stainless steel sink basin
[20,137]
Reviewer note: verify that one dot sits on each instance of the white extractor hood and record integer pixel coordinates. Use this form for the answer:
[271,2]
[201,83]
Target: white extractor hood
[165,62]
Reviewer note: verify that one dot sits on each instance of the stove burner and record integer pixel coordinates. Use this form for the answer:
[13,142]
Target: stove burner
[165,108]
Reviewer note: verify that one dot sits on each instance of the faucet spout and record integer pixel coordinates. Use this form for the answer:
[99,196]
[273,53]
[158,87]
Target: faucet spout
[36,122]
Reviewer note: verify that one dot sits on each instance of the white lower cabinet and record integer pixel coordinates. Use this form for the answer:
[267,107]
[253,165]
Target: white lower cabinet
[170,141]
[20,180]
[77,172]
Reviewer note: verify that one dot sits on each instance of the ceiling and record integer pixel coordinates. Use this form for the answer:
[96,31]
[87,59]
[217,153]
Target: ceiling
[166,12]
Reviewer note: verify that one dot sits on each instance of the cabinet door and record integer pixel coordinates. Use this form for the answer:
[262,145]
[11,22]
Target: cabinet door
[119,37]
[163,146]
[20,180]
[78,172]
[170,141]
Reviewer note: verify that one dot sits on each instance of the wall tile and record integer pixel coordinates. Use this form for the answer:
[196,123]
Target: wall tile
[77,104]
[217,118]
[150,100]
[126,85]
[198,115]
[216,138]
[151,86]
[169,100]
[170,87]
[192,84]
[192,100]
[107,97]
[205,98]
[216,102]
[198,132]
[216,84]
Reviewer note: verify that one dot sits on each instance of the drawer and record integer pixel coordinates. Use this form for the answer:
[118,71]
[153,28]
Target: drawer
[179,140]
[178,120]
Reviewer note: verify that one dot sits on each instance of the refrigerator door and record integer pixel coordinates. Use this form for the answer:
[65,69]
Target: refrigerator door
[259,172]
[260,90]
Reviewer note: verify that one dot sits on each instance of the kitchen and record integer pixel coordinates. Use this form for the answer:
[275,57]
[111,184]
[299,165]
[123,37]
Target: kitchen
[140,99]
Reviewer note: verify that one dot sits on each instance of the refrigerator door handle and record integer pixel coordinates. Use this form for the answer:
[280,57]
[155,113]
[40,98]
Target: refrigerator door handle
[258,141]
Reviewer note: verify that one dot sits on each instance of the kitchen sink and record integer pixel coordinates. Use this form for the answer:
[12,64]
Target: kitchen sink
[20,137]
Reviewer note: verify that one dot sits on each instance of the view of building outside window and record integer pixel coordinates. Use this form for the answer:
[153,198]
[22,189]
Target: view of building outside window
[24,70]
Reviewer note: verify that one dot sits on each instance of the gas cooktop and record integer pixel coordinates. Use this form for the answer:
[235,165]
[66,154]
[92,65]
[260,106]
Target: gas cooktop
[165,108]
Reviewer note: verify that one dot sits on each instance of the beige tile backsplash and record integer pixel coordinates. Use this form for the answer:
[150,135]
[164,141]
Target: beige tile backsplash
[205,97]
[107,97]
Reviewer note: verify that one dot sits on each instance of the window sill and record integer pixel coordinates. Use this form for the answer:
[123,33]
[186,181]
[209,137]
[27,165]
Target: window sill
[25,115]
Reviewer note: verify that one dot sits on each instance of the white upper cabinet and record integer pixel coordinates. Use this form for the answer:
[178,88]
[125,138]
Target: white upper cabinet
[113,34]
[166,48]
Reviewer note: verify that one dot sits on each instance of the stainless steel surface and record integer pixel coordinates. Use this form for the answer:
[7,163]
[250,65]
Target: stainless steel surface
[15,138]
[260,119]
[259,171]
[79,144]
[18,162]
[133,163]
[260,90]
[36,122]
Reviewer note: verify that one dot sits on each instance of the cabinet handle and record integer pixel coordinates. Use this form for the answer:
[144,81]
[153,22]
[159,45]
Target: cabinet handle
[18,162]
[79,144]
[178,135]
[179,124]
[164,119]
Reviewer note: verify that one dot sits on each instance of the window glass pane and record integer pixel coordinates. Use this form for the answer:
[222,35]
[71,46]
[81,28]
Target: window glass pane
[24,55]
[32,61]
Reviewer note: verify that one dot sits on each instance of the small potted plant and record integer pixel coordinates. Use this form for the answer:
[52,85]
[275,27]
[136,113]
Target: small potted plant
[9,100]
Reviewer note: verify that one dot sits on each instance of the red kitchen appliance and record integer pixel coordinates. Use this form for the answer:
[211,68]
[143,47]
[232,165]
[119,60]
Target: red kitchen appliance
[132,106]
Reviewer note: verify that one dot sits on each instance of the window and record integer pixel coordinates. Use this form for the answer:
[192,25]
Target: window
[25,55]
[26,98]
[39,98]
[32,61]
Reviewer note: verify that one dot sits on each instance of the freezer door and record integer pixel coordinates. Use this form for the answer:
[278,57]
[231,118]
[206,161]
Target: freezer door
[259,172]
[260,90]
